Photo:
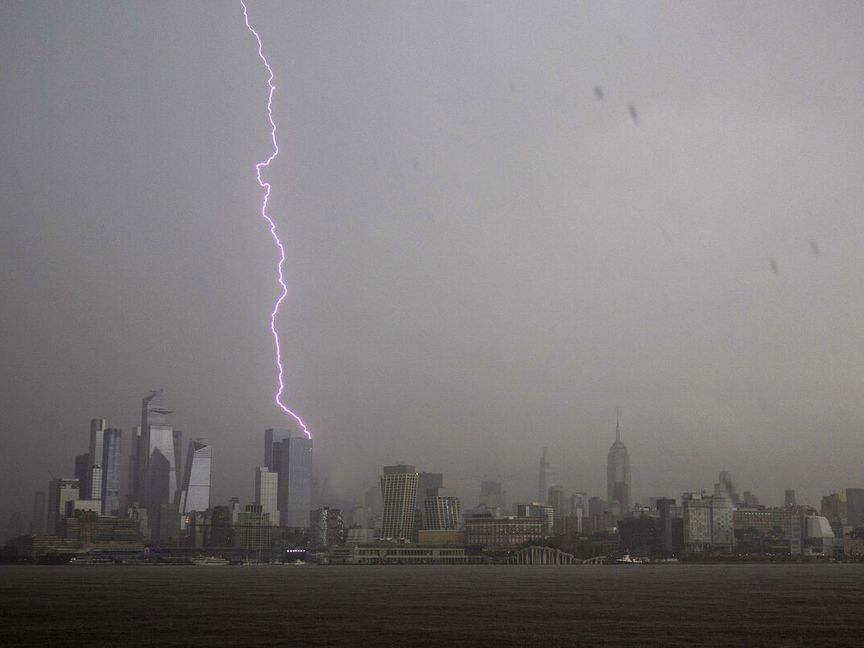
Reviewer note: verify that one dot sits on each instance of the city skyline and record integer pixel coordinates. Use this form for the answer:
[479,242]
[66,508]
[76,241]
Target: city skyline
[464,290]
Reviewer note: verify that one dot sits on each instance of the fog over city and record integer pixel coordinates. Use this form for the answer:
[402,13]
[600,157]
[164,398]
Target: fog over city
[501,220]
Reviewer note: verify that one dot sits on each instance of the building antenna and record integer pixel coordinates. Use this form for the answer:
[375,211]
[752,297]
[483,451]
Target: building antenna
[617,425]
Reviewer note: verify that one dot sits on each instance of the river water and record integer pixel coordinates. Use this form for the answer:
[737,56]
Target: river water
[669,605]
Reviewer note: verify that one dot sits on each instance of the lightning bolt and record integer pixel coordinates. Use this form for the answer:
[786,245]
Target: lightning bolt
[266,187]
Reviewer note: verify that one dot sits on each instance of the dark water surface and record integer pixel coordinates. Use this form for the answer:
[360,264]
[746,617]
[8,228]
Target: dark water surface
[672,605]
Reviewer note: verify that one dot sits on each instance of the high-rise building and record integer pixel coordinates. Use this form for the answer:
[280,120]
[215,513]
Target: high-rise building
[539,510]
[93,489]
[195,495]
[326,528]
[112,453]
[37,524]
[267,492]
[618,474]
[289,452]
[789,497]
[492,494]
[708,522]
[61,493]
[399,492]
[82,472]
[443,510]
[425,481]
[252,531]
[556,499]
[156,456]
[544,477]
[670,526]
[855,507]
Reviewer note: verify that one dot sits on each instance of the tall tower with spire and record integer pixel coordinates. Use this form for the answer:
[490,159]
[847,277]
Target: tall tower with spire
[618,473]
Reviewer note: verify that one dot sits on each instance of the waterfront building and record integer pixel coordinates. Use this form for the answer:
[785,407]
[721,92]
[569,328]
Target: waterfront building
[267,492]
[538,510]
[618,487]
[253,532]
[195,495]
[639,535]
[326,528]
[764,530]
[504,533]
[819,538]
[670,526]
[288,452]
[708,524]
[399,492]
[443,510]
[390,554]
[545,476]
[441,537]
[359,535]
[221,529]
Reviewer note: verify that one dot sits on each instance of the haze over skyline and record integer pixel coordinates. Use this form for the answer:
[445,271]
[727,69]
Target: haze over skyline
[485,255]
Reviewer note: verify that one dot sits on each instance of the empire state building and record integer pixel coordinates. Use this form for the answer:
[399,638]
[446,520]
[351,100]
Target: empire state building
[618,474]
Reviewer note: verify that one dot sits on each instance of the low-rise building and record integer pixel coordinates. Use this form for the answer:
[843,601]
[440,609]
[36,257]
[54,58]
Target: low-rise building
[406,554]
[504,533]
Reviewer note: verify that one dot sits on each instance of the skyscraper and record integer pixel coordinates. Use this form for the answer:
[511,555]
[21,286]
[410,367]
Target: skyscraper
[93,488]
[156,455]
[289,452]
[195,495]
[60,493]
[111,457]
[545,477]
[399,492]
[443,510]
[618,474]
[267,492]
[425,481]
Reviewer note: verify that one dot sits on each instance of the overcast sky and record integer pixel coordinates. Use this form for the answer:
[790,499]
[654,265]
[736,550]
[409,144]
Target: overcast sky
[483,256]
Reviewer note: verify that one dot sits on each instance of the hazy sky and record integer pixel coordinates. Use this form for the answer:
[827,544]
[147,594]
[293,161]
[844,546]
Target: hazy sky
[483,257]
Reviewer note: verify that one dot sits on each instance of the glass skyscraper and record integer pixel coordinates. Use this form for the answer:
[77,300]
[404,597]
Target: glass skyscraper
[288,452]
[195,495]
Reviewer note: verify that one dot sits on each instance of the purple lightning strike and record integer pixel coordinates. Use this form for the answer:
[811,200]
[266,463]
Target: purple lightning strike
[266,187]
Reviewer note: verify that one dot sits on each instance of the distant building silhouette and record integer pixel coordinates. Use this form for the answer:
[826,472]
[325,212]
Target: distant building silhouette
[618,489]
[545,477]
